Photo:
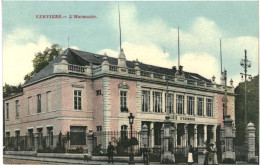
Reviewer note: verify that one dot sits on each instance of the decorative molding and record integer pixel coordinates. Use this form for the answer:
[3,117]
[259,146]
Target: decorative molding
[123,85]
[77,86]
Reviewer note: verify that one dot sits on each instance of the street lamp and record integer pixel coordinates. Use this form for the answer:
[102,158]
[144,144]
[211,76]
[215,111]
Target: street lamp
[245,63]
[131,156]
[231,82]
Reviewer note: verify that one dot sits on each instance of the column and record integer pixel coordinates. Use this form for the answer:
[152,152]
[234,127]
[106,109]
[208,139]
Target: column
[176,133]
[195,136]
[163,102]
[205,133]
[90,139]
[205,107]
[185,104]
[152,134]
[214,130]
[185,135]
[144,136]
[174,104]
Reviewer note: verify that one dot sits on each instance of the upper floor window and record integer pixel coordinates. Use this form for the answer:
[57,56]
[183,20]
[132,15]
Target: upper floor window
[48,100]
[190,105]
[145,101]
[123,101]
[169,103]
[209,107]
[7,111]
[98,92]
[99,128]
[29,105]
[180,104]
[157,102]
[77,99]
[39,110]
[200,106]
[17,108]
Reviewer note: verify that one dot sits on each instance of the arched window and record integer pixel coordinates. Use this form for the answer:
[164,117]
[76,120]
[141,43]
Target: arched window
[124,131]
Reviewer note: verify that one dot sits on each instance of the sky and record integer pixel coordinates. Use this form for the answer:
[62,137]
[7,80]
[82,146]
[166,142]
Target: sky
[149,33]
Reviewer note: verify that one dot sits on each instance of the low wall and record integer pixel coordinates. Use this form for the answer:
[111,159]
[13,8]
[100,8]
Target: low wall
[25,153]
[71,156]
[61,155]
[138,159]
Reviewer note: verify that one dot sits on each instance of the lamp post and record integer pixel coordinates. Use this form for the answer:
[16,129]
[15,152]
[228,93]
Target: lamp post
[245,64]
[225,99]
[131,156]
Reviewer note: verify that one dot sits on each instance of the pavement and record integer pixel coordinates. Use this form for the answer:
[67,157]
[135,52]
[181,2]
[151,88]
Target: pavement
[74,161]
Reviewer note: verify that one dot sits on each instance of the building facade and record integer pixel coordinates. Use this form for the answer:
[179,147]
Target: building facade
[81,91]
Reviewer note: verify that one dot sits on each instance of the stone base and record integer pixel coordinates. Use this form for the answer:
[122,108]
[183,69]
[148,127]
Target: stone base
[229,155]
[253,159]
[201,158]
[167,158]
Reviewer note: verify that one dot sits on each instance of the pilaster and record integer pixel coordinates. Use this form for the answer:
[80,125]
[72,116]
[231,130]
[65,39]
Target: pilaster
[106,108]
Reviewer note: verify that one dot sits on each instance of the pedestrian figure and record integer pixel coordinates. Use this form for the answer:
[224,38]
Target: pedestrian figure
[110,152]
[207,152]
[190,155]
[214,151]
[146,155]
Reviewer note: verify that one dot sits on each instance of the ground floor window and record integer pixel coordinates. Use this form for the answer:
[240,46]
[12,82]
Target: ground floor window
[124,131]
[50,135]
[78,135]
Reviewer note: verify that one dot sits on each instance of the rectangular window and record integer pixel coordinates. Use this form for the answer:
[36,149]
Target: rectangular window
[39,104]
[7,138]
[50,135]
[200,106]
[48,100]
[99,128]
[145,101]
[190,105]
[40,137]
[7,134]
[77,99]
[77,135]
[98,92]
[29,105]
[7,111]
[209,106]
[123,101]
[157,102]
[30,141]
[180,104]
[17,133]
[124,131]
[17,108]
[169,103]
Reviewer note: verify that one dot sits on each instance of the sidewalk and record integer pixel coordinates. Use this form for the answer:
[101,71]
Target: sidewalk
[75,161]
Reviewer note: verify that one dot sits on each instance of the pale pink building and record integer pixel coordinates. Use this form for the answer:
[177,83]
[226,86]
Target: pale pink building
[81,91]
